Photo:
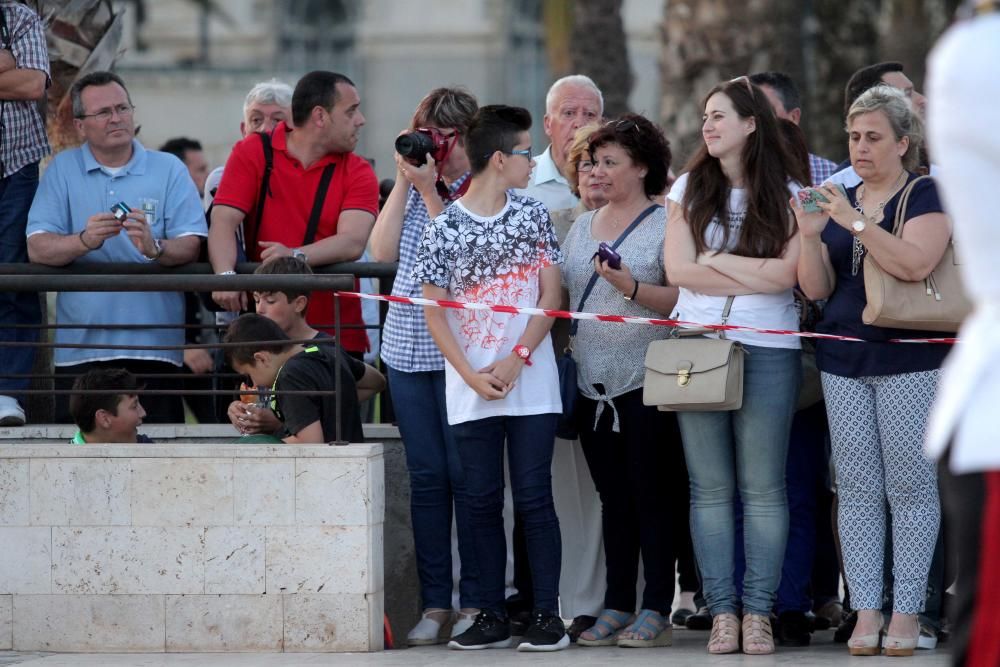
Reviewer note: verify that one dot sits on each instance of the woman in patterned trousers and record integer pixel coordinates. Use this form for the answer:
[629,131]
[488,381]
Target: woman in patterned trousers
[878,394]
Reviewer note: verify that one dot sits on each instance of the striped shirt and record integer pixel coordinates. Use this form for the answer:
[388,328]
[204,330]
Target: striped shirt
[406,343]
[23,139]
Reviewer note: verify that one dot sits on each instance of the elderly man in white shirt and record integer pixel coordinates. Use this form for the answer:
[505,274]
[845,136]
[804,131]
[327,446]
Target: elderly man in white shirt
[572,102]
[964,113]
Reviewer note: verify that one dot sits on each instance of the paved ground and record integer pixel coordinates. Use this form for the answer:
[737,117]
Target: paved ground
[688,649]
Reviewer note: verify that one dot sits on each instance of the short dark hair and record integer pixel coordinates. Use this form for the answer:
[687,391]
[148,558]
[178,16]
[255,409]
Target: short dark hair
[494,128]
[254,333]
[865,78]
[179,146]
[83,407]
[645,144]
[284,266]
[315,89]
[782,85]
[99,78]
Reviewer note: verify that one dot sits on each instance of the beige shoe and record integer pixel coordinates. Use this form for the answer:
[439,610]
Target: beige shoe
[725,637]
[757,636]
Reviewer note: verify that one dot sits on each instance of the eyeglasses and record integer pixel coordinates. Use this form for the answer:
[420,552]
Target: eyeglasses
[584,166]
[104,115]
[526,152]
[746,80]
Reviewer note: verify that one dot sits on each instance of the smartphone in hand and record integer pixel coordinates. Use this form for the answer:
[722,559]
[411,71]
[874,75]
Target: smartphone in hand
[608,255]
[809,198]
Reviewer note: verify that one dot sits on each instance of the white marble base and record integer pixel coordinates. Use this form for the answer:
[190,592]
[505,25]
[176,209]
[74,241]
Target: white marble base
[191,547]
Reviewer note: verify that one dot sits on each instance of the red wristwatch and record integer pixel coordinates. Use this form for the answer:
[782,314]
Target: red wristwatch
[523,352]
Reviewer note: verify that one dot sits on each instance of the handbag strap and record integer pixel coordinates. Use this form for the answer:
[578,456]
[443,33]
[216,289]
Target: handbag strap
[575,324]
[904,199]
[725,314]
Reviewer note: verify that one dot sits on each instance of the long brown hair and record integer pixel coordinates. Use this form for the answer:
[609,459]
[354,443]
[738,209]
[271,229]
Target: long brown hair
[766,228]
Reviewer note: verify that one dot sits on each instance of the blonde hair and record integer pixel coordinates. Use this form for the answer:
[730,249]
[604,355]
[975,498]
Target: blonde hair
[899,112]
[579,149]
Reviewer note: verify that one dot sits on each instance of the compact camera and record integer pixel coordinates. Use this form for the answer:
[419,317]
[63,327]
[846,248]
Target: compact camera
[414,146]
[121,211]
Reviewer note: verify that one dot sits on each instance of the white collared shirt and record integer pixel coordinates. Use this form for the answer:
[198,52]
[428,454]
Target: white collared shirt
[548,185]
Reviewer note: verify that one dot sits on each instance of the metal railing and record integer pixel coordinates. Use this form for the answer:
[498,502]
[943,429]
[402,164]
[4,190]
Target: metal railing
[195,277]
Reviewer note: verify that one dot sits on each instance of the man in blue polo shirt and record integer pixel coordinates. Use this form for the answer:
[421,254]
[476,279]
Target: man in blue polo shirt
[71,220]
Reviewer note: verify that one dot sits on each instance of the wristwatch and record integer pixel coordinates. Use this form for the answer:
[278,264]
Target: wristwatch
[858,226]
[523,352]
[159,251]
[298,254]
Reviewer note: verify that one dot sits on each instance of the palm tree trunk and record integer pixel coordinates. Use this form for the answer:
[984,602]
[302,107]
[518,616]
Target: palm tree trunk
[598,49]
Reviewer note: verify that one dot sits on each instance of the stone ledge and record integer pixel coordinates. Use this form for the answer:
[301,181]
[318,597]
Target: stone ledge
[185,450]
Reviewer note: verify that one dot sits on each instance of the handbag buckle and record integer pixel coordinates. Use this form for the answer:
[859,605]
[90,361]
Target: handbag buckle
[684,376]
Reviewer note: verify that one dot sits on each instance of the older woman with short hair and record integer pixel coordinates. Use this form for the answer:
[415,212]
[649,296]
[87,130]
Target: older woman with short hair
[622,439]
[878,393]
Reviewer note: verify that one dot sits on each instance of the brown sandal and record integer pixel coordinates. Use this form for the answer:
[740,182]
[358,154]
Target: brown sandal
[757,636]
[725,637]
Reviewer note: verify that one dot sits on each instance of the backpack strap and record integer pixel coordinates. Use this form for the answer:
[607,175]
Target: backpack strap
[318,201]
[250,231]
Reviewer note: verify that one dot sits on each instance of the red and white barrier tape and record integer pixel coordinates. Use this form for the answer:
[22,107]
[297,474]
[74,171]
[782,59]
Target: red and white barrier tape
[621,319]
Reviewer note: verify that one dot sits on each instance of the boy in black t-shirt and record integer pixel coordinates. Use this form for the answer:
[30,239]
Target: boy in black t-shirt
[287,308]
[266,354]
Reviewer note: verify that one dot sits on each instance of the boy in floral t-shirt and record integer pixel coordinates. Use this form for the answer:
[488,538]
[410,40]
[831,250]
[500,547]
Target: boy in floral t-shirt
[500,372]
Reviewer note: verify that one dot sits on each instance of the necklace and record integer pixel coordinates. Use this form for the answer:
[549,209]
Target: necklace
[858,249]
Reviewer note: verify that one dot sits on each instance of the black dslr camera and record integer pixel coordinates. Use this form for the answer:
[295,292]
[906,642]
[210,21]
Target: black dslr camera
[414,146]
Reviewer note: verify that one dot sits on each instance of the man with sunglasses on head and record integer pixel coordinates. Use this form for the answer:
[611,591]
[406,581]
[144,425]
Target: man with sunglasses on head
[112,200]
[320,203]
[24,75]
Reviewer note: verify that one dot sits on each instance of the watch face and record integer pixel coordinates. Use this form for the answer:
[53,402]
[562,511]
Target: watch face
[858,225]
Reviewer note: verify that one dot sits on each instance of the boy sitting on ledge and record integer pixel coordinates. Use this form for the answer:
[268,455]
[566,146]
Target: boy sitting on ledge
[107,418]
[266,354]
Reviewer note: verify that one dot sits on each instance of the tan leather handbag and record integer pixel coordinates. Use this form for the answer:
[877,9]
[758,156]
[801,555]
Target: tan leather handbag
[936,303]
[694,374]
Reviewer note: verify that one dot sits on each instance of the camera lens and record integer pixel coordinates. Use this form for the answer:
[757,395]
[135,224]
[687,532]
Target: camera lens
[414,146]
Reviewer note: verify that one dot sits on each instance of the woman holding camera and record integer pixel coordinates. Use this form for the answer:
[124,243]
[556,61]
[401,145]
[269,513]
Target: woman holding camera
[416,369]
[622,439]
[878,394]
[730,233]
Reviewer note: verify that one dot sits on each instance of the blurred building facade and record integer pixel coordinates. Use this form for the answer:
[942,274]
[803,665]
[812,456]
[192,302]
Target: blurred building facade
[188,69]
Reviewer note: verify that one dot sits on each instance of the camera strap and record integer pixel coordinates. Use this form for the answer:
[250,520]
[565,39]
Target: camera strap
[575,324]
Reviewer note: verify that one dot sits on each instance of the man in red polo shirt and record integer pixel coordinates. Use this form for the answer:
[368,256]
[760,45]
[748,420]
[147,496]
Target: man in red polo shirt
[326,119]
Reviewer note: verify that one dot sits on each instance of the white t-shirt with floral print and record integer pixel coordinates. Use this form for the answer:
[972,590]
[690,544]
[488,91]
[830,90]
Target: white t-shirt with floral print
[494,260]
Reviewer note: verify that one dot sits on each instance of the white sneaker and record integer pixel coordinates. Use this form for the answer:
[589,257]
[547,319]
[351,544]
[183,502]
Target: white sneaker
[11,413]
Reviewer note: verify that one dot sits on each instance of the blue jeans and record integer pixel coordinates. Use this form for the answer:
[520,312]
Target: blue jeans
[529,440]
[806,478]
[743,449]
[16,193]
[437,484]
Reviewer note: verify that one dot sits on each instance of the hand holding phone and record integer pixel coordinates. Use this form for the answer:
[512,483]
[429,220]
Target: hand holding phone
[810,198]
[605,252]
